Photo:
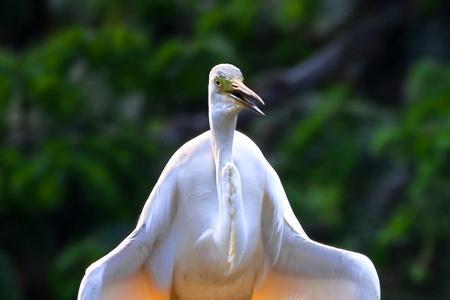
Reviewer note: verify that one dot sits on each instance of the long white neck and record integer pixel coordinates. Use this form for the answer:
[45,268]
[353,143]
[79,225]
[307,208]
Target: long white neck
[230,233]
[222,133]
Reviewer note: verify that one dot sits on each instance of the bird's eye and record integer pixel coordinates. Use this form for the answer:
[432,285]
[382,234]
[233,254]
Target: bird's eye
[217,82]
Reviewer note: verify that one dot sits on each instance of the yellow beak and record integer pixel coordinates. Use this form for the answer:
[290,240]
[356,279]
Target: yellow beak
[240,92]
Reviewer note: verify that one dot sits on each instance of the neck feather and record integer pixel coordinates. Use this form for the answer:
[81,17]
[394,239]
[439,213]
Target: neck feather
[230,234]
[222,131]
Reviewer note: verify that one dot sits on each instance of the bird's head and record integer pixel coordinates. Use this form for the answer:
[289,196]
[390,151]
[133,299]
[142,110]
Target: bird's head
[229,94]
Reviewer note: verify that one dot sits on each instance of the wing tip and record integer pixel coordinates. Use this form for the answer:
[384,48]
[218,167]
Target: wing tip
[368,276]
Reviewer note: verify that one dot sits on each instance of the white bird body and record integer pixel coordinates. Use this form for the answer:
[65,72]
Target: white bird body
[200,264]
[218,226]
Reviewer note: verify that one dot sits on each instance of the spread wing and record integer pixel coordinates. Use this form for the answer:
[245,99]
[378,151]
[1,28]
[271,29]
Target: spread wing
[145,258]
[302,268]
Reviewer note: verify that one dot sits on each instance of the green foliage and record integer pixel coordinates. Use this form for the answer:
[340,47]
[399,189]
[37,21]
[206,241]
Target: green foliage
[420,139]
[317,190]
[75,142]
[83,119]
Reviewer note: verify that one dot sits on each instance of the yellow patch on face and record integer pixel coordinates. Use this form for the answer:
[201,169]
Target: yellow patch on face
[223,83]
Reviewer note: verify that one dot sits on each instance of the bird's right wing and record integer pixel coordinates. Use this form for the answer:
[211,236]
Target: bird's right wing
[126,272]
[302,268]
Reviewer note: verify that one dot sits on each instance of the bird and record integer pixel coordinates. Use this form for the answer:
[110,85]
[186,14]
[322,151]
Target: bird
[218,226]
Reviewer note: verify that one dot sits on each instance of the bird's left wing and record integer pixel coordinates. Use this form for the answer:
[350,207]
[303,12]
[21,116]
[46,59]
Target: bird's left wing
[125,272]
[302,268]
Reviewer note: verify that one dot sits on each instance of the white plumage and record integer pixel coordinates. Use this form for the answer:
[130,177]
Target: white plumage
[218,226]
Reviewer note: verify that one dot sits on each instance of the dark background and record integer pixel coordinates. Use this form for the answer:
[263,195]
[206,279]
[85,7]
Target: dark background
[96,95]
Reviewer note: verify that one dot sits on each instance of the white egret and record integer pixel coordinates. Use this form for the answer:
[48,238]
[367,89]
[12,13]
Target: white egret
[218,226]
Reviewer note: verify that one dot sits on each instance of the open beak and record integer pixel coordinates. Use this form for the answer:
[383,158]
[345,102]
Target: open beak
[240,92]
